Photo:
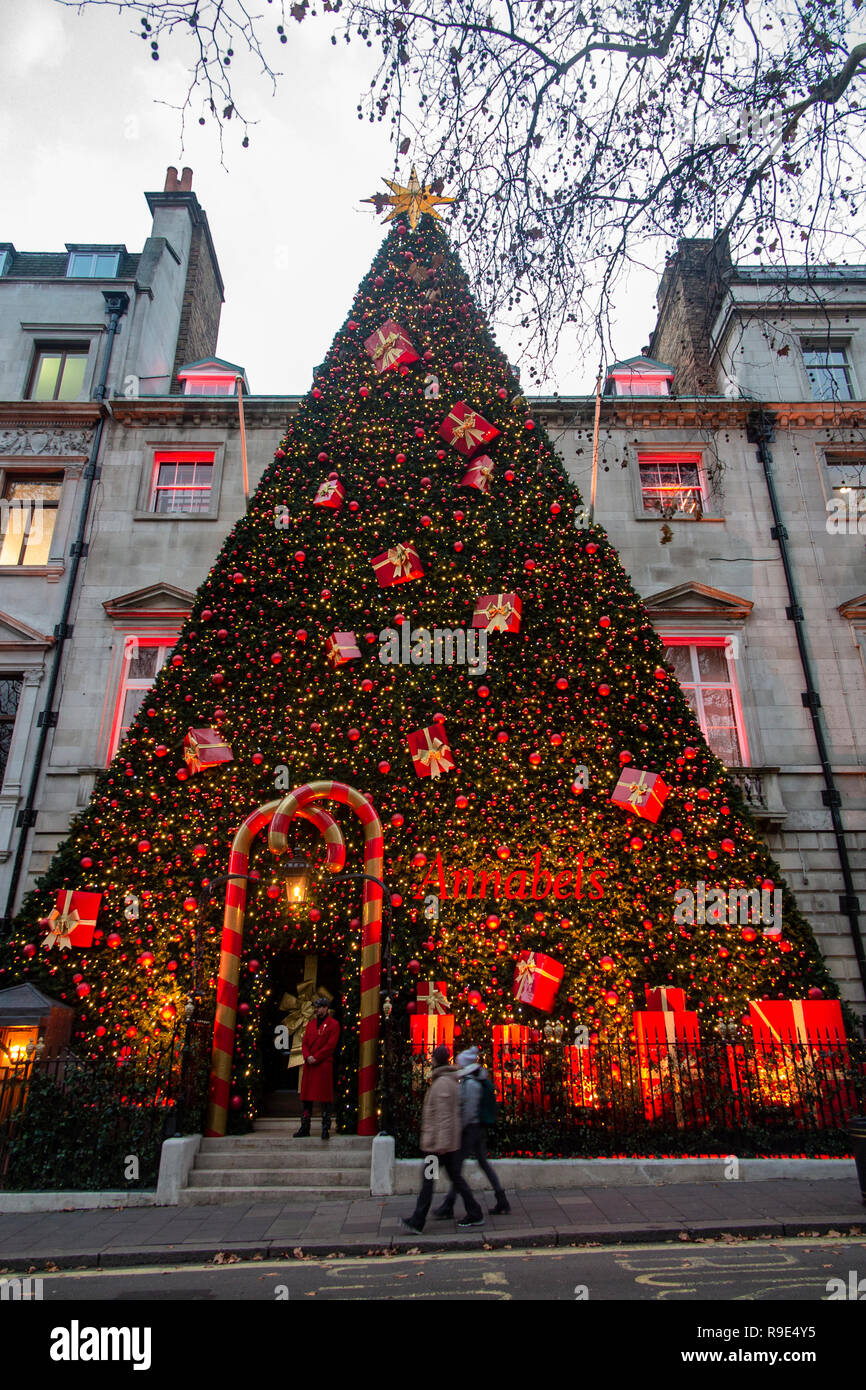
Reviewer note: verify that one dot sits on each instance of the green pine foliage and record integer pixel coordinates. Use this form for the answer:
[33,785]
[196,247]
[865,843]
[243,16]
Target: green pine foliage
[582,683]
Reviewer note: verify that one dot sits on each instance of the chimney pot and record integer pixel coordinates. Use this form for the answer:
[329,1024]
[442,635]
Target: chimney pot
[186,181]
[171,183]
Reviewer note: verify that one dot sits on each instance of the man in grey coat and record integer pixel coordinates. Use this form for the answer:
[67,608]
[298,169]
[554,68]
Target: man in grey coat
[474,1135]
[440,1143]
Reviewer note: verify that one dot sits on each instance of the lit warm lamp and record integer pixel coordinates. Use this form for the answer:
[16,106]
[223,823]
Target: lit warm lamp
[297,872]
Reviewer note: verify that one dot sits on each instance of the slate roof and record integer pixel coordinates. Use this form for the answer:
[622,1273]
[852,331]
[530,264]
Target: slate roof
[51,265]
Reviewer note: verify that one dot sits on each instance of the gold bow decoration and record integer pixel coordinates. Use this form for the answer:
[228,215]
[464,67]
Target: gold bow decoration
[638,790]
[61,926]
[436,756]
[300,1009]
[387,350]
[498,616]
[526,972]
[467,429]
[434,1001]
[401,560]
[326,490]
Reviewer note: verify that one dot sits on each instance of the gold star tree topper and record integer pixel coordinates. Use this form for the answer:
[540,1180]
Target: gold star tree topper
[413,200]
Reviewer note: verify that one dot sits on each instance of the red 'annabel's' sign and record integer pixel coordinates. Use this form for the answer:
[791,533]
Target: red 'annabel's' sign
[526,885]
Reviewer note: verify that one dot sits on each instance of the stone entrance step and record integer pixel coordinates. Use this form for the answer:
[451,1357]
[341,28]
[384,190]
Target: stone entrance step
[269,1163]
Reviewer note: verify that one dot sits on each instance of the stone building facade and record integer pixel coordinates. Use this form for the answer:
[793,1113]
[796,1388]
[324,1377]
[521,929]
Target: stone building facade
[681,490]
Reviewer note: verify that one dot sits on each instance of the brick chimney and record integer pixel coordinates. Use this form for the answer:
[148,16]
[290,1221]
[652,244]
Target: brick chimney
[173,184]
[203,287]
[690,295]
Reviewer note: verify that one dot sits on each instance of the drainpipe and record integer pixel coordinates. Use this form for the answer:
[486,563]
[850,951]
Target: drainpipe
[760,430]
[117,304]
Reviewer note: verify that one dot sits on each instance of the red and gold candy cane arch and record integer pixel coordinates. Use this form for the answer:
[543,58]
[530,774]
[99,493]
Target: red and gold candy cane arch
[225,1020]
[279,815]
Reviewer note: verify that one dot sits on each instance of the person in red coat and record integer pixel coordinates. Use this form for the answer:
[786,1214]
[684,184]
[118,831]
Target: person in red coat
[321,1036]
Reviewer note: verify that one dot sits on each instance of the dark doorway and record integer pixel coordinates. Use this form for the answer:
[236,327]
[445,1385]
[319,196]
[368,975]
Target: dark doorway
[294,979]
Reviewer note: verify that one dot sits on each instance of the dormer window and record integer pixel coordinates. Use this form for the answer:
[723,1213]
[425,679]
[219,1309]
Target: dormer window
[639,376]
[5,258]
[92,265]
[211,377]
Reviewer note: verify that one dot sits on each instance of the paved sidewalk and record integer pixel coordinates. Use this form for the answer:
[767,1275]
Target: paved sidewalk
[117,1237]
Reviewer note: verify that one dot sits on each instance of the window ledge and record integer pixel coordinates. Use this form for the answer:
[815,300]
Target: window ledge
[175,516]
[33,571]
[680,520]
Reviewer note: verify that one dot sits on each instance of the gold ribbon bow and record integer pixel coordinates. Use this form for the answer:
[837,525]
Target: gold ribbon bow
[435,1001]
[466,429]
[326,490]
[300,1009]
[526,972]
[498,616]
[387,350]
[435,756]
[638,790]
[399,557]
[62,925]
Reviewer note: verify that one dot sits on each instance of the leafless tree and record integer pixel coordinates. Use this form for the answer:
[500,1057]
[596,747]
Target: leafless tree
[583,136]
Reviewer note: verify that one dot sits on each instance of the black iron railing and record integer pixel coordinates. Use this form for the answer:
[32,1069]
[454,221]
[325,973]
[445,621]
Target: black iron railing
[99,1123]
[618,1098]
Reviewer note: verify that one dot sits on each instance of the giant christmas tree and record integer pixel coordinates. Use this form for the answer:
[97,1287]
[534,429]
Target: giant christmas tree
[414,492]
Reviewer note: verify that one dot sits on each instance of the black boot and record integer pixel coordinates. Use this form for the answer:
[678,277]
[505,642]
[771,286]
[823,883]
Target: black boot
[326,1125]
[304,1131]
[502,1206]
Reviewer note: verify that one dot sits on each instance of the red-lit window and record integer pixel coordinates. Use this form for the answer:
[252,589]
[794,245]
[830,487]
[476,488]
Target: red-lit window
[208,386]
[705,670]
[182,481]
[672,485]
[143,659]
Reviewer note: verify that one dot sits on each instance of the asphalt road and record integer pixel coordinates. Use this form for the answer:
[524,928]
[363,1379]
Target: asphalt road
[760,1271]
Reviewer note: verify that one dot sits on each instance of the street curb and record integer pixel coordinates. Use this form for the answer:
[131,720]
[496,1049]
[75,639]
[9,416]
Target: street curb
[400,1244]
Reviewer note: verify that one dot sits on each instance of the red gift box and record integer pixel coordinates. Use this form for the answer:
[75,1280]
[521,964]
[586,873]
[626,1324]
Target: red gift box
[205,748]
[330,494]
[666,997]
[397,565]
[390,347]
[498,612]
[583,1075]
[479,474]
[536,980]
[517,1066]
[431,751]
[432,997]
[466,429]
[431,1030]
[805,1022]
[72,920]
[643,793]
[342,647]
[667,1045]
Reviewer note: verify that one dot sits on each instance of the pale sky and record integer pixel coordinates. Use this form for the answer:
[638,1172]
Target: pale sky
[82,135]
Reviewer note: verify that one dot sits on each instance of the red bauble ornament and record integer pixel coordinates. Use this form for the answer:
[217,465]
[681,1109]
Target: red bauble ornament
[728,846]
[300,556]
[384,768]
[29,950]
[237,577]
[748,933]
[276,658]
[473,998]
[113,940]
[253,966]
[611,998]
[413,967]
[273,890]
[354,735]
[815,993]
[397,820]
[314,914]
[604,690]
[690,752]
[236,1102]
[535,759]
[607,963]
[199,851]
[461,802]
[87,863]
[555,509]
[529,566]
[143,846]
